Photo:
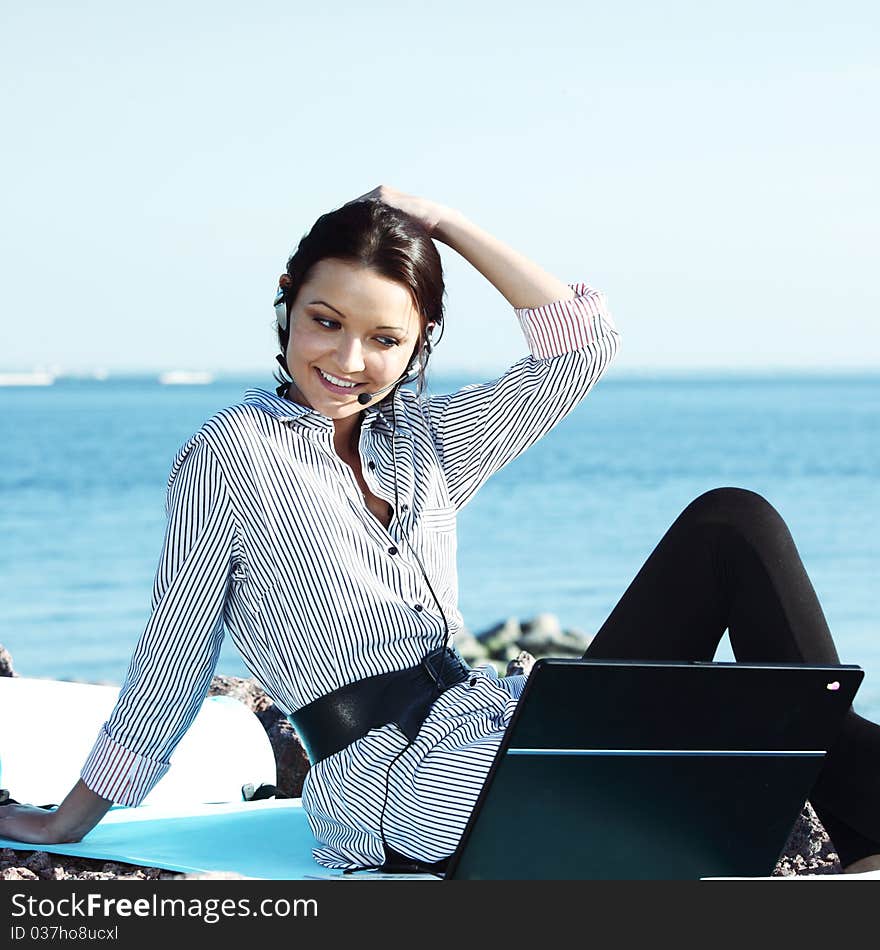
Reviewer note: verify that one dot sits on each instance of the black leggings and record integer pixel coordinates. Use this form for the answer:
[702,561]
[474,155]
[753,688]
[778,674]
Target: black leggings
[729,563]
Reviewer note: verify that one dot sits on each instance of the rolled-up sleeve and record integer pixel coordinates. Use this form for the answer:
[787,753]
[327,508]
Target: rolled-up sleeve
[481,428]
[174,660]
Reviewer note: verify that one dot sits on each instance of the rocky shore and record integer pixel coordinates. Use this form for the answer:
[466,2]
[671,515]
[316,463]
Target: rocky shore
[808,851]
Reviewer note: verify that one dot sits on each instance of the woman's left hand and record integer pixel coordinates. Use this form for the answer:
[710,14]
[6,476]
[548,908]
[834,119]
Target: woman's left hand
[429,213]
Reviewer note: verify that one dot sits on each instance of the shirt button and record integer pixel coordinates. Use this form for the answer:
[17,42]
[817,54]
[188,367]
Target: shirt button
[419,607]
[473,681]
[404,508]
[392,550]
[371,464]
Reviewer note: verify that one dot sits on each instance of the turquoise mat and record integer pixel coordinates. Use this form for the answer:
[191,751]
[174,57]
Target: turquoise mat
[266,839]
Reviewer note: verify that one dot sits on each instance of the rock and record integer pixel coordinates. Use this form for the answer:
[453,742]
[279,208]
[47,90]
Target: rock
[37,862]
[543,636]
[809,850]
[291,761]
[19,866]
[583,638]
[547,624]
[6,662]
[495,639]
[247,691]
[17,874]
[470,648]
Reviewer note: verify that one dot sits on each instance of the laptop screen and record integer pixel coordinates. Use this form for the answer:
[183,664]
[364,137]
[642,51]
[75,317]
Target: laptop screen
[653,770]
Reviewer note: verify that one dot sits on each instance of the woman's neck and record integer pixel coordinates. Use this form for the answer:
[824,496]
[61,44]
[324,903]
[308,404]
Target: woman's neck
[346,434]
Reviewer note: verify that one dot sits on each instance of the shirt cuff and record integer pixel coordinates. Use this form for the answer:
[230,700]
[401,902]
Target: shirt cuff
[566,325]
[115,773]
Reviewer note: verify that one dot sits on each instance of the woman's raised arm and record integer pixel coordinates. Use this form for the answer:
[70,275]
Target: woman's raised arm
[522,282]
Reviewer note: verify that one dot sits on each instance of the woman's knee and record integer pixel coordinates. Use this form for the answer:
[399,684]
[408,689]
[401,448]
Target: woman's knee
[734,507]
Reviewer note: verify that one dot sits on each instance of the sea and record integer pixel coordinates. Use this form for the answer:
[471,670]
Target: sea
[562,530]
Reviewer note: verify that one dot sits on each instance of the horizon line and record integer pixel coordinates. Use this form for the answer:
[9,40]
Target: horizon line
[102,373]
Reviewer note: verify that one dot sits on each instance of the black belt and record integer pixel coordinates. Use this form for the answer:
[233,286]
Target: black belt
[404,697]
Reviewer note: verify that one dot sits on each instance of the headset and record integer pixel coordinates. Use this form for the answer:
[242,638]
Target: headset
[412,372]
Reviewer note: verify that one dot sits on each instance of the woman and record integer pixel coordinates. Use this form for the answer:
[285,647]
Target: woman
[318,526]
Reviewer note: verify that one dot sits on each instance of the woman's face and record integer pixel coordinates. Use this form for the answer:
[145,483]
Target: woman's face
[351,331]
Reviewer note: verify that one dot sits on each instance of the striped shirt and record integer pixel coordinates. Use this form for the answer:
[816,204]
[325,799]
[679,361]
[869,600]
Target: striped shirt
[270,539]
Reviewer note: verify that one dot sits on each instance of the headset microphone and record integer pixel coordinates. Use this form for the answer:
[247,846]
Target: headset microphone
[364,398]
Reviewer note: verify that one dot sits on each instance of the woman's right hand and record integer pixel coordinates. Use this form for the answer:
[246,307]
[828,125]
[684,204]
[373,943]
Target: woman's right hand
[74,818]
[28,823]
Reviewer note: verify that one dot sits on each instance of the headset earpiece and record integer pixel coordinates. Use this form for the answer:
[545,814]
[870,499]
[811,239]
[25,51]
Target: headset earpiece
[284,284]
[428,344]
[281,308]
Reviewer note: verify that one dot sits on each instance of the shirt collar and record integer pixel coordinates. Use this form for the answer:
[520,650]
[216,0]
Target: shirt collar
[378,417]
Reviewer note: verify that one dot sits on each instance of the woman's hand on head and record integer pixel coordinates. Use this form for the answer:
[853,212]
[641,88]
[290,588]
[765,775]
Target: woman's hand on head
[428,212]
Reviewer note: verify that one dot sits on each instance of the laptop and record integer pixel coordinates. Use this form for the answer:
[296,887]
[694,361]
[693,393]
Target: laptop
[653,770]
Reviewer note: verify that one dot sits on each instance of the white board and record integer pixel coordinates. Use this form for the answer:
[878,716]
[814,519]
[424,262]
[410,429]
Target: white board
[48,728]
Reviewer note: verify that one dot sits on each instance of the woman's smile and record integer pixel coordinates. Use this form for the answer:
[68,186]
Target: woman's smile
[337,384]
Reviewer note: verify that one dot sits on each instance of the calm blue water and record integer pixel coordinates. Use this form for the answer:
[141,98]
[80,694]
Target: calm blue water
[562,530]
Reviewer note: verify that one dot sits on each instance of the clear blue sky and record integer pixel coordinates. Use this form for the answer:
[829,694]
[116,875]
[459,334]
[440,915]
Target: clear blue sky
[712,167]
